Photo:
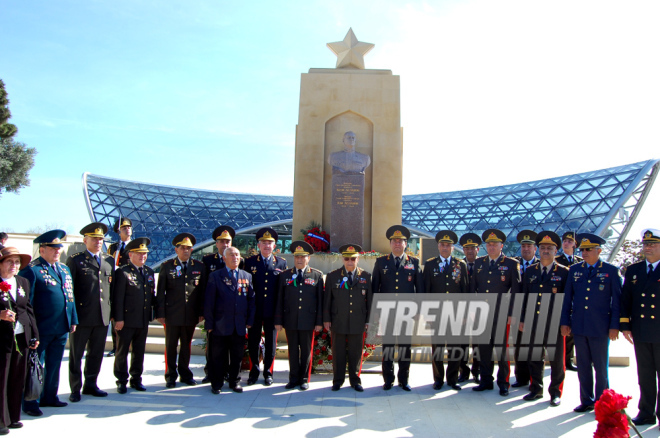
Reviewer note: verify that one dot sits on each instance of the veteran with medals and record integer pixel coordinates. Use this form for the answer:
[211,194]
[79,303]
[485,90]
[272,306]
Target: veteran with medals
[51,295]
[134,295]
[92,273]
[299,310]
[546,277]
[346,306]
[591,313]
[495,275]
[442,275]
[640,323]
[118,251]
[179,302]
[265,269]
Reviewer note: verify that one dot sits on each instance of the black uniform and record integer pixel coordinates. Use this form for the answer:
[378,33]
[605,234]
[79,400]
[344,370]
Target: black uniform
[534,285]
[132,303]
[180,299]
[91,292]
[347,307]
[299,309]
[522,371]
[464,369]
[640,302]
[563,259]
[123,254]
[503,277]
[387,278]
[264,281]
[440,278]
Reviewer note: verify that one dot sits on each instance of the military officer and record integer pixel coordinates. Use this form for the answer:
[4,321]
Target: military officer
[640,323]
[117,250]
[470,242]
[229,308]
[346,306]
[591,312]
[134,295]
[92,273]
[299,311]
[179,302]
[223,236]
[51,295]
[446,274]
[526,239]
[265,268]
[568,258]
[397,272]
[495,274]
[545,277]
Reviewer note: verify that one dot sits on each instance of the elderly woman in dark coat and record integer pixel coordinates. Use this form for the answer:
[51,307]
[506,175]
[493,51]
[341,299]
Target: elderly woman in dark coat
[17,327]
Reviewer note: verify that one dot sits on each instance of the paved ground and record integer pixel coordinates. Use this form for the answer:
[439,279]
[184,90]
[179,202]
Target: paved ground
[319,412]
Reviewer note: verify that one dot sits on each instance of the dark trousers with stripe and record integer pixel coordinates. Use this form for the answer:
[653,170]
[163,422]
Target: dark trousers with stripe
[592,351]
[648,376]
[343,346]
[557,368]
[487,365]
[92,337]
[174,334]
[51,351]
[127,337]
[231,346]
[521,368]
[12,380]
[270,340]
[300,354]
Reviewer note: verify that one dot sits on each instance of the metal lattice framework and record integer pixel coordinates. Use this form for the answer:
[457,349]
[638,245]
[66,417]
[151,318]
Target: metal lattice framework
[604,202]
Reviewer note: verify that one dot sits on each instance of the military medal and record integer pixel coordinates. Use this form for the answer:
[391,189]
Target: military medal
[178,271]
[503,277]
[601,287]
[554,290]
[294,276]
[344,282]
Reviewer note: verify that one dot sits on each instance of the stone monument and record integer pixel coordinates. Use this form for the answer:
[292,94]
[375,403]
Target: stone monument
[333,177]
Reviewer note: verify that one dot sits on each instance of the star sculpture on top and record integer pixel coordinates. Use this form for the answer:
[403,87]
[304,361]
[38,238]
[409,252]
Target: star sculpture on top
[350,52]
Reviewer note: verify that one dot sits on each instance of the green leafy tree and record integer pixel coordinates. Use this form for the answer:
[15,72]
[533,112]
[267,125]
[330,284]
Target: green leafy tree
[16,159]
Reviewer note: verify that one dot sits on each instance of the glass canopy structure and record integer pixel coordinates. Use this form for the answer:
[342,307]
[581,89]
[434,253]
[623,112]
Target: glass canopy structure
[604,202]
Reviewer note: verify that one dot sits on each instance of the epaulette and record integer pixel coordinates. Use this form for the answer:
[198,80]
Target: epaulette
[432,258]
[314,269]
[33,263]
[252,256]
[77,254]
[413,258]
[280,258]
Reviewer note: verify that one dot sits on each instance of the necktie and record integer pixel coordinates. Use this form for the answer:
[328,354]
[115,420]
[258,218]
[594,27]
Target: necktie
[57,271]
[470,268]
[141,272]
[545,271]
[265,263]
[570,259]
[185,267]
[650,270]
[398,261]
[300,276]
[121,249]
[591,270]
[492,265]
[234,274]
[523,268]
[350,279]
[98,260]
[446,263]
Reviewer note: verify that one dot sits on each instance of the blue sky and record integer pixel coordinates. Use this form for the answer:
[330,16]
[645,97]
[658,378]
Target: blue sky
[205,93]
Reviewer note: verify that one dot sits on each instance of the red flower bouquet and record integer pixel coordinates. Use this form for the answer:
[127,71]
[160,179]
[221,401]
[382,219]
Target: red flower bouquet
[319,239]
[613,422]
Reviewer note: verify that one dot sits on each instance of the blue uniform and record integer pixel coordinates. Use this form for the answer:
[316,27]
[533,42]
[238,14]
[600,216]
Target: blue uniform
[51,296]
[591,309]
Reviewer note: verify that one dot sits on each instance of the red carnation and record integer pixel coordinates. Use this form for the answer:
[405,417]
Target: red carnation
[611,415]
[320,361]
[317,352]
[324,336]
[324,348]
[329,356]
[5,287]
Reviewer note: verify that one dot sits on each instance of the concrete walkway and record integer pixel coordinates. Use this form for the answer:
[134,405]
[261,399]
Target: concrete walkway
[319,412]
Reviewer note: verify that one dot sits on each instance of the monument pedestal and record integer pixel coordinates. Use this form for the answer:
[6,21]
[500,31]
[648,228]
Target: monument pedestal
[347,210]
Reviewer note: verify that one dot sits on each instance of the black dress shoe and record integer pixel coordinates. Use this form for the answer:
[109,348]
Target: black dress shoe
[519,384]
[251,381]
[405,386]
[15,425]
[3,430]
[74,397]
[138,386]
[290,385]
[121,388]
[189,382]
[304,386]
[57,404]
[206,379]
[215,391]
[438,385]
[571,367]
[110,353]
[94,392]
[477,379]
[584,408]
[268,381]
[336,387]
[504,392]
[358,388]
[387,386]
[456,387]
[170,385]
[533,396]
[555,401]
[34,412]
[483,387]
[237,388]
[641,421]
